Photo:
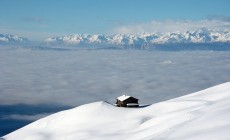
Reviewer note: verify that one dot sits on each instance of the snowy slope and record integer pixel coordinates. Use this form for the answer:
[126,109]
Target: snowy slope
[197,36]
[204,115]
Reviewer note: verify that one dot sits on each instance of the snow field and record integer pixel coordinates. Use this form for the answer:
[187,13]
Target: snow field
[198,116]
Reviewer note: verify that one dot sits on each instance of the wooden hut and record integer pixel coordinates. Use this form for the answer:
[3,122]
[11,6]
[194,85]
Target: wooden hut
[127,101]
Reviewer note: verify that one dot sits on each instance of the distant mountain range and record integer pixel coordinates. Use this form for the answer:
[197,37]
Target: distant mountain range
[12,39]
[196,38]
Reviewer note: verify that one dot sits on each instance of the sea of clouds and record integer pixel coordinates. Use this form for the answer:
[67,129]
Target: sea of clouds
[82,76]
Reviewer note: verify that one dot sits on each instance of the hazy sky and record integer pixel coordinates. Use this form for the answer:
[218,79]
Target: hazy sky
[40,19]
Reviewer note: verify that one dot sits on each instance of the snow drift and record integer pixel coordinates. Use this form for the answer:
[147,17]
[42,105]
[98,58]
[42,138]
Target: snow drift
[199,116]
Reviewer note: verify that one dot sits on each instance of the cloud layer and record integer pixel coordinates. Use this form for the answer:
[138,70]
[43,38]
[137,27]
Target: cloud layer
[162,26]
[78,77]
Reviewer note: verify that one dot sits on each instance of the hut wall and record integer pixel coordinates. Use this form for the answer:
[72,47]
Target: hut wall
[125,102]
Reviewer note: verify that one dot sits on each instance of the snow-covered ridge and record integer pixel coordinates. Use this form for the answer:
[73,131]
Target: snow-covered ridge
[6,38]
[199,116]
[126,40]
[197,36]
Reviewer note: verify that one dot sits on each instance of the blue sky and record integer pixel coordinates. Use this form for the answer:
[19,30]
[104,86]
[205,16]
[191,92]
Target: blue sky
[40,19]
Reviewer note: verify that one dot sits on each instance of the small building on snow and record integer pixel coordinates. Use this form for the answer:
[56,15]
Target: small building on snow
[127,101]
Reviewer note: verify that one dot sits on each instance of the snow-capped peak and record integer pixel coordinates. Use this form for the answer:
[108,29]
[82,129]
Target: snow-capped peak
[198,36]
[11,39]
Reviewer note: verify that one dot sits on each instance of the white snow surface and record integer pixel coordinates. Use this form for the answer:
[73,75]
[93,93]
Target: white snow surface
[204,115]
[123,97]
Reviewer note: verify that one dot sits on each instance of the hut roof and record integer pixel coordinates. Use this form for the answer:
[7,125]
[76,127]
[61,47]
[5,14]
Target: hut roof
[124,97]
